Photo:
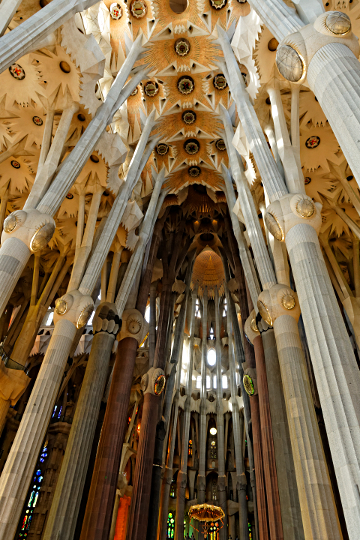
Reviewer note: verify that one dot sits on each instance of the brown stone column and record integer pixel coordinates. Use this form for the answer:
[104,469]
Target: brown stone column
[98,515]
[268,451]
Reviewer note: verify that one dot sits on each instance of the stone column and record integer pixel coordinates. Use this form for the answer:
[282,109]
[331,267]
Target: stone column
[335,369]
[220,420]
[239,461]
[18,470]
[63,514]
[182,474]
[285,472]
[8,9]
[26,37]
[279,308]
[203,423]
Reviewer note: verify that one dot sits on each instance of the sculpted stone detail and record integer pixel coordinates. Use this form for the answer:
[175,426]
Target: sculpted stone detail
[31,227]
[289,63]
[291,210]
[296,51]
[153,382]
[277,301]
[74,307]
[106,319]
[250,327]
[133,325]
[250,382]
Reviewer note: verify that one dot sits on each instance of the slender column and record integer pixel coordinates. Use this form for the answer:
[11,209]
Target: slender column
[152,325]
[285,471]
[61,521]
[182,474]
[8,9]
[220,420]
[240,469]
[28,34]
[19,467]
[203,434]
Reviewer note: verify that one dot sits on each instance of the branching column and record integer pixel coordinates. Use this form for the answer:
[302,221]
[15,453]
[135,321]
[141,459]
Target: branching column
[296,219]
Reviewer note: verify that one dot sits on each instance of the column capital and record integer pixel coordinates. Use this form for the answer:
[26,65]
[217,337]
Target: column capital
[32,227]
[291,210]
[301,46]
[153,382]
[133,325]
[251,328]
[106,319]
[74,307]
[277,301]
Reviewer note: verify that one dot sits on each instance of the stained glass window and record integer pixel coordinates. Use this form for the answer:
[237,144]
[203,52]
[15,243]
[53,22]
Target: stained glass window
[171,525]
[190,448]
[34,495]
[213,452]
[250,533]
[172,489]
[197,309]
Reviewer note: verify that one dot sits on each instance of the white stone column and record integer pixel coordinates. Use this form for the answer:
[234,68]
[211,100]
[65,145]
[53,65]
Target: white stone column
[279,308]
[7,11]
[279,18]
[19,467]
[25,37]
[336,372]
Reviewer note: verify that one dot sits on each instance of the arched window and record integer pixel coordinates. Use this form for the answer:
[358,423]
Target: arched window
[197,309]
[190,448]
[213,451]
[211,357]
[224,308]
[224,382]
[212,333]
[34,494]
[214,490]
[172,489]
[250,531]
[170,525]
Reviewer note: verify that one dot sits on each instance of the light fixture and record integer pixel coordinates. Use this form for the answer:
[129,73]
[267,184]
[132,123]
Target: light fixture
[213,431]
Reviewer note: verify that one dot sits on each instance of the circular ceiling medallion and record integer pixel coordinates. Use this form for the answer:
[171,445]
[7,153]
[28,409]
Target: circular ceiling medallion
[159,385]
[248,385]
[69,196]
[219,81]
[162,149]
[151,88]
[220,145]
[134,92]
[138,9]
[17,72]
[38,121]
[65,67]
[194,171]
[185,85]
[94,158]
[312,142]
[338,23]
[15,164]
[218,4]
[81,117]
[191,147]
[307,180]
[189,117]
[289,63]
[182,47]
[115,11]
